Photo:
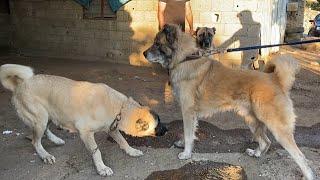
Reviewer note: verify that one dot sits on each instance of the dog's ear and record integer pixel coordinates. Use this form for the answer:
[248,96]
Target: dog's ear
[198,28]
[171,33]
[132,101]
[214,30]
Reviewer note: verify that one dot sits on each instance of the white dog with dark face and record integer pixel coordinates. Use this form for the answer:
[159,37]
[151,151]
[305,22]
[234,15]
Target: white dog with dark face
[77,106]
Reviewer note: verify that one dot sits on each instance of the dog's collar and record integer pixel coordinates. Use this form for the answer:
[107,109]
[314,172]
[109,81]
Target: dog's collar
[188,58]
[114,124]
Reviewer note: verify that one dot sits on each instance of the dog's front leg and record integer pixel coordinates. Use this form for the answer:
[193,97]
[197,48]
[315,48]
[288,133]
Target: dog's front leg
[117,136]
[189,128]
[91,145]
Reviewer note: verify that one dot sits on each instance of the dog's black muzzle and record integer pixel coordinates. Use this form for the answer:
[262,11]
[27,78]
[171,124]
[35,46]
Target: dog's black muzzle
[206,43]
[161,129]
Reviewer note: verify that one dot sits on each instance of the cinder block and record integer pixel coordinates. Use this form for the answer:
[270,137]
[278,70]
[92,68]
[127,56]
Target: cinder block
[254,30]
[241,5]
[292,6]
[101,34]
[226,6]
[138,16]
[148,5]
[115,35]
[216,5]
[150,16]
[229,18]
[123,26]
[205,5]
[234,30]
[207,17]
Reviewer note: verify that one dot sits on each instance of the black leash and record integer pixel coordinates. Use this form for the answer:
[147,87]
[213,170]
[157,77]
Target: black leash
[205,53]
[217,51]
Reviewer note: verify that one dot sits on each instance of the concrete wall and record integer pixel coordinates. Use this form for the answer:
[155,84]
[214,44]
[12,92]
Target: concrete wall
[4,30]
[57,28]
[4,25]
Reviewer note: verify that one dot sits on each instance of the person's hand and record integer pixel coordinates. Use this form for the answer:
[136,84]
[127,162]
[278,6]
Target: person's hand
[192,32]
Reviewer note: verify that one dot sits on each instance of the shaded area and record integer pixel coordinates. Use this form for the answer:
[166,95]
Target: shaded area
[201,170]
[211,139]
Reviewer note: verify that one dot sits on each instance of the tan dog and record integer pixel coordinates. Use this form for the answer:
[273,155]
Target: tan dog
[78,107]
[205,86]
[204,37]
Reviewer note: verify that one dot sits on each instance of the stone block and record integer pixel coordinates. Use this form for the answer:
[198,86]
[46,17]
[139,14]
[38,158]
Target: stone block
[292,6]
[241,5]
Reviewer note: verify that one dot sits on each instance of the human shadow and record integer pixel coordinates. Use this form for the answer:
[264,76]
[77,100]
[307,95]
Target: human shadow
[248,35]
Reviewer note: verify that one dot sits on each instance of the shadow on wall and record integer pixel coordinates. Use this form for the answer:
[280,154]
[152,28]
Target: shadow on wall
[248,35]
[142,38]
[138,29]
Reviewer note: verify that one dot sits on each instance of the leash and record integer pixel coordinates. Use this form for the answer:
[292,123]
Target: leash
[114,124]
[223,50]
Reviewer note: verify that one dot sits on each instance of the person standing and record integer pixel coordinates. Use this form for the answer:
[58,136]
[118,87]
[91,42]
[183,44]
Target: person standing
[175,12]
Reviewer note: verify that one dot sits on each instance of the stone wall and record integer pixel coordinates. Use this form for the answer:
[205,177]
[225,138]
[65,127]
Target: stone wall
[57,28]
[295,20]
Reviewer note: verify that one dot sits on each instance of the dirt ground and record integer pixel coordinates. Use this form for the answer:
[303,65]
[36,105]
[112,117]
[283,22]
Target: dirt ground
[222,138]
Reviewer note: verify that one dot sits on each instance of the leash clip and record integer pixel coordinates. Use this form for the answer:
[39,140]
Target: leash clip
[115,122]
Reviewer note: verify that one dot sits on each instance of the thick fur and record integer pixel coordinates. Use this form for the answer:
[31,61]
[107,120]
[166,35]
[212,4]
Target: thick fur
[77,106]
[204,86]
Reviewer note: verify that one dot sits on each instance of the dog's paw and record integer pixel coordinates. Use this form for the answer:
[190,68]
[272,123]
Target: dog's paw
[253,153]
[49,159]
[134,152]
[105,171]
[60,142]
[184,155]
[179,144]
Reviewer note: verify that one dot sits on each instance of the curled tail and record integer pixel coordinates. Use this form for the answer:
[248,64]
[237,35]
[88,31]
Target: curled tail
[285,68]
[11,75]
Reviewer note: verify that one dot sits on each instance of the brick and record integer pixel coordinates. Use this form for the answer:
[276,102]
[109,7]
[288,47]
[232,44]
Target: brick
[205,5]
[226,6]
[150,16]
[216,5]
[254,30]
[101,34]
[148,5]
[138,16]
[229,17]
[292,6]
[115,35]
[207,17]
[234,30]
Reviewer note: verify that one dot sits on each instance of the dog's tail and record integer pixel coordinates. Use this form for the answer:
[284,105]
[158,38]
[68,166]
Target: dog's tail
[11,75]
[285,68]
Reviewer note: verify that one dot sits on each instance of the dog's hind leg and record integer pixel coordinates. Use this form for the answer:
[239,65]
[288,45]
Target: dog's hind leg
[258,130]
[117,136]
[38,132]
[53,138]
[280,121]
[91,145]
[286,139]
[189,128]
[36,117]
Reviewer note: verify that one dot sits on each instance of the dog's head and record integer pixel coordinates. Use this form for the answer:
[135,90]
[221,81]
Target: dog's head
[204,36]
[163,46]
[140,121]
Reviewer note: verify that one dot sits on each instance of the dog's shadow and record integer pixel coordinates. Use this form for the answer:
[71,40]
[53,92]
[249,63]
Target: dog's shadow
[212,139]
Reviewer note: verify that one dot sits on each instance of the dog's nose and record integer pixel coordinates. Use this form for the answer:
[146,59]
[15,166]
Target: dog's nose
[145,54]
[161,129]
